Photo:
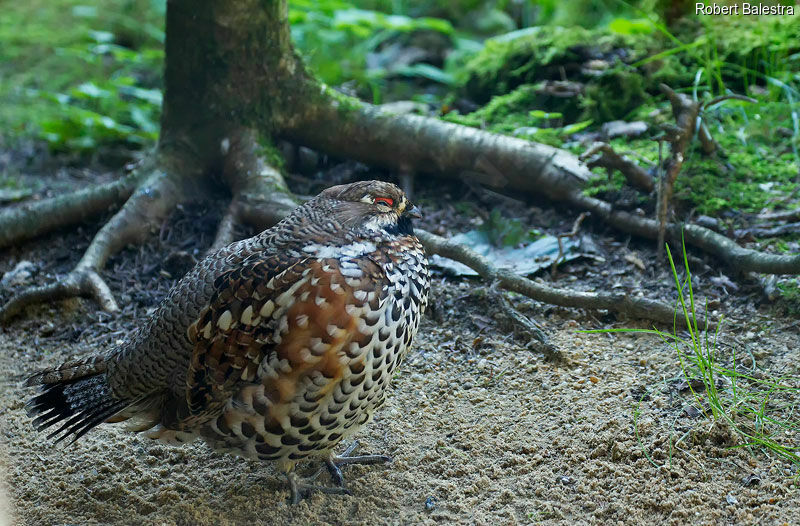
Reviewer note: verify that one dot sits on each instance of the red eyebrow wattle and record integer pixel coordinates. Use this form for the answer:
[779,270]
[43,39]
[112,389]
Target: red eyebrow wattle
[385,200]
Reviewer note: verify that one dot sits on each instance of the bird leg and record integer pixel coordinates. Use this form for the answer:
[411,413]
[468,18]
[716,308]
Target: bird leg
[301,488]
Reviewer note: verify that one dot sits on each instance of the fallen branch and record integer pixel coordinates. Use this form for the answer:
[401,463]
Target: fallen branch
[786,215]
[616,302]
[767,230]
[635,307]
[414,144]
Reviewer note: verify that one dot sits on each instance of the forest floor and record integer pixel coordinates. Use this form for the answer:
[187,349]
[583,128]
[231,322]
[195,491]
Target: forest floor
[482,429]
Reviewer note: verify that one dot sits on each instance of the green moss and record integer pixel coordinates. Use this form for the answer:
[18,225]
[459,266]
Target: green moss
[790,295]
[601,183]
[554,53]
[618,71]
[613,94]
[518,113]
[271,154]
[758,169]
[504,113]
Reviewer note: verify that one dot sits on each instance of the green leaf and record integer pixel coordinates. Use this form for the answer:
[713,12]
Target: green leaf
[428,72]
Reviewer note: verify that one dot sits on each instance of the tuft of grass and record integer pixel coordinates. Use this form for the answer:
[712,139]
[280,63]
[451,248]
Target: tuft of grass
[753,409]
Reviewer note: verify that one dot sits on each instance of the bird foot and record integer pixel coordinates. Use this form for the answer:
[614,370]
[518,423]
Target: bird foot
[334,463]
[302,488]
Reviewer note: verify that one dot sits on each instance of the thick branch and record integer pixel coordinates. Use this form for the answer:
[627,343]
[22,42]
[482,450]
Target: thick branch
[619,302]
[408,142]
[414,144]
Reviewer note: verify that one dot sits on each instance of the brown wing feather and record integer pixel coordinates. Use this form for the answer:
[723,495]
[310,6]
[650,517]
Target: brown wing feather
[297,318]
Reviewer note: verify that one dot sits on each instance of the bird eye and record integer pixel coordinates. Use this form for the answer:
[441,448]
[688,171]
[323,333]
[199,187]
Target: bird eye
[384,201]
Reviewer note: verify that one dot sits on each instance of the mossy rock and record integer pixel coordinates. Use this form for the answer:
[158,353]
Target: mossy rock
[619,71]
[548,53]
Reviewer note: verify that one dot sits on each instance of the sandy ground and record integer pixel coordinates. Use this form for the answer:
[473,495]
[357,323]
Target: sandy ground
[482,429]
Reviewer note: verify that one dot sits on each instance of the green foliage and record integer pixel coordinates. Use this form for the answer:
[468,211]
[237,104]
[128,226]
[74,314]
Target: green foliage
[790,295]
[110,111]
[336,39]
[507,232]
[82,76]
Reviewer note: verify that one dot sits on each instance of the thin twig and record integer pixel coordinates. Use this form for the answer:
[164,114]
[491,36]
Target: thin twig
[572,233]
[686,111]
[538,340]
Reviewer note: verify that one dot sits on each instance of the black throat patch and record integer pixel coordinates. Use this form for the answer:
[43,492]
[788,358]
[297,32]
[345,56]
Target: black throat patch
[403,227]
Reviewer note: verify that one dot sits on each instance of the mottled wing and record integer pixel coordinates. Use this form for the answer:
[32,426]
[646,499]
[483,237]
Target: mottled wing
[280,321]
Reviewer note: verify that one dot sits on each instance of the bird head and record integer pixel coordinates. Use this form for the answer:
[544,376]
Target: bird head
[371,205]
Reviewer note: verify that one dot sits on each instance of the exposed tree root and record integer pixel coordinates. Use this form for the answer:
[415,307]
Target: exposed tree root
[85,283]
[414,144]
[164,181]
[226,228]
[260,194]
[40,217]
[259,190]
[738,258]
[154,198]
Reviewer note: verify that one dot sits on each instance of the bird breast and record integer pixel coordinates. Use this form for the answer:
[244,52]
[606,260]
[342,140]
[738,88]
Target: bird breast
[338,333]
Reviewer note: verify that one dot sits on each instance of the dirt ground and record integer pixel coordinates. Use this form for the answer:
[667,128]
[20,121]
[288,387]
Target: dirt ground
[482,429]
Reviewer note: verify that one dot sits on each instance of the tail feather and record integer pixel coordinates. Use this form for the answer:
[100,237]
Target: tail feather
[74,395]
[73,370]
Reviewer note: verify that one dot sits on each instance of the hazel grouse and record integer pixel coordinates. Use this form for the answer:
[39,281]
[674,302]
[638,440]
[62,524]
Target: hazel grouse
[277,347]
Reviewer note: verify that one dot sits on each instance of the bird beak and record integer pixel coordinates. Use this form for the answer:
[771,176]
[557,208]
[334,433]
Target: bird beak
[413,211]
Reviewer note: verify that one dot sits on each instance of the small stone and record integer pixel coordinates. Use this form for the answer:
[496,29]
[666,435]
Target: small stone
[730,499]
[594,379]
